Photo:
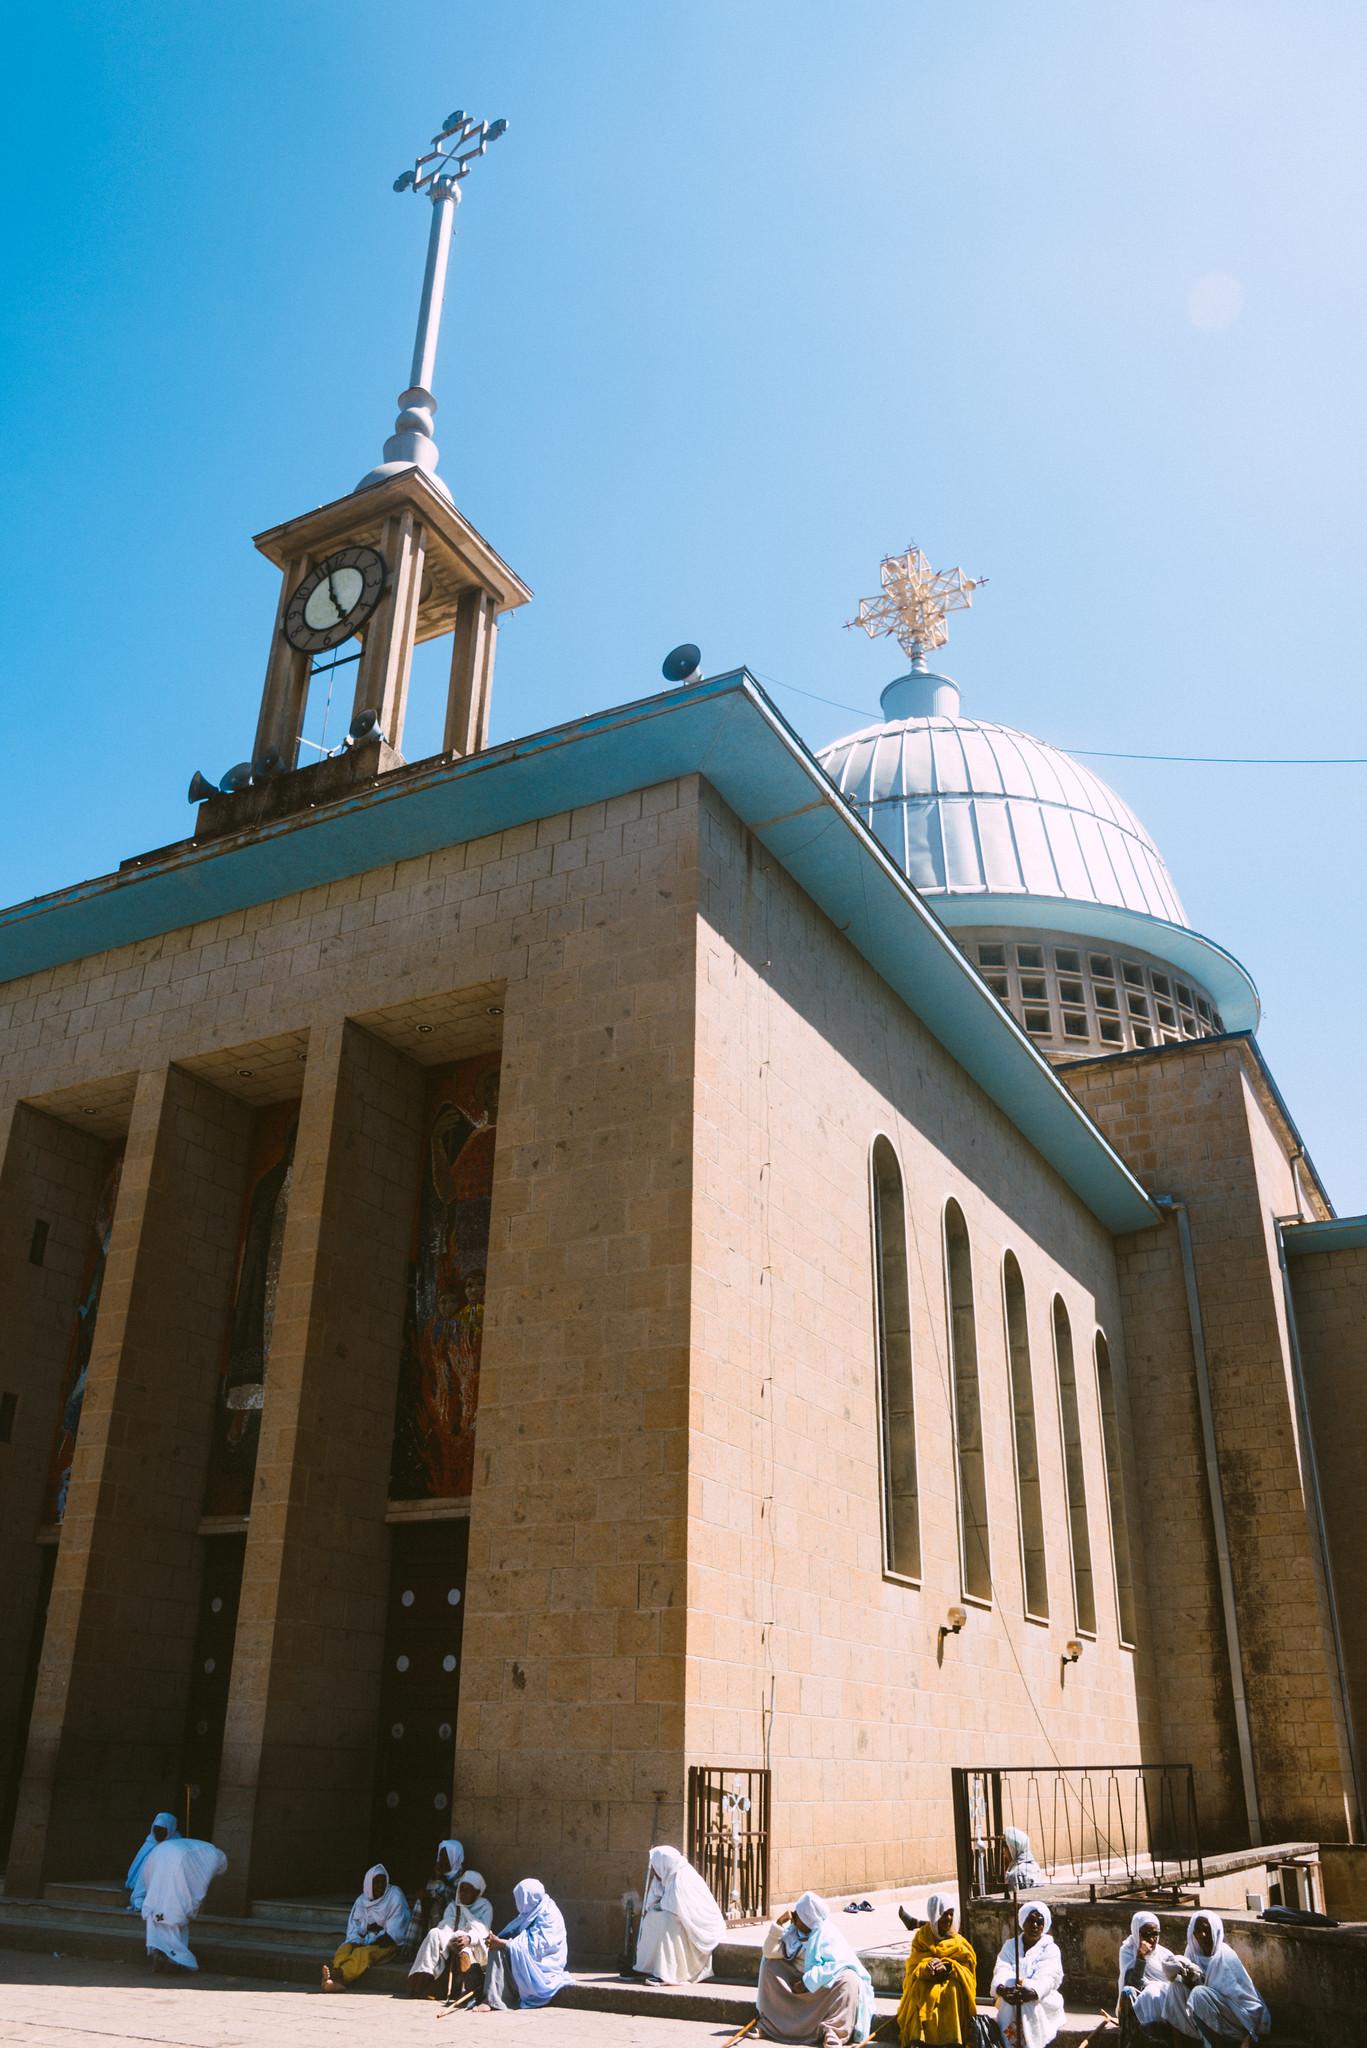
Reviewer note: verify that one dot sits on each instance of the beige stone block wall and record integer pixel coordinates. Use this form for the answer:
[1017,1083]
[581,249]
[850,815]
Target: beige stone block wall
[49,1173]
[804,1055]
[1330,1294]
[104,1738]
[1195,1122]
[298,1757]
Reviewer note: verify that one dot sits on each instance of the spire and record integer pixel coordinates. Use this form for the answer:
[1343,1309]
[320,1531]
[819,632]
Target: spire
[437,173]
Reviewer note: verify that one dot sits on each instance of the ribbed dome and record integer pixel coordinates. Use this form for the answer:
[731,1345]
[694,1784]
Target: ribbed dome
[966,807]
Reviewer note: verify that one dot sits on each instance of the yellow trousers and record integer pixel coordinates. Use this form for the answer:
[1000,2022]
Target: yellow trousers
[354,1958]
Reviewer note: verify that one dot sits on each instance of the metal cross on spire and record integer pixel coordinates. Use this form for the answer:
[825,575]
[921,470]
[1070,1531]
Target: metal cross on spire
[914,602]
[437,172]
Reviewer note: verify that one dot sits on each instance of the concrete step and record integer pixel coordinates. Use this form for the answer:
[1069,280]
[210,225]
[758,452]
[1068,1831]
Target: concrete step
[319,1915]
[106,1892]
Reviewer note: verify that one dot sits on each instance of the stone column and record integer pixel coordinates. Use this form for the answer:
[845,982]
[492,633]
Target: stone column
[298,1754]
[49,1185]
[105,1733]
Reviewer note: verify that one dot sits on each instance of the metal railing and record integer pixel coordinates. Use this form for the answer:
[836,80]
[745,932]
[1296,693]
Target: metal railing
[728,1837]
[1120,1827]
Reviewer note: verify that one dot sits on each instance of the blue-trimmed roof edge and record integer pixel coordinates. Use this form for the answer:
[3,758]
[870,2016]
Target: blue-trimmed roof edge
[724,729]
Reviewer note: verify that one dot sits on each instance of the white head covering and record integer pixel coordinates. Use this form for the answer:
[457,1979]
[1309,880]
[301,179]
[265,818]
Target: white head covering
[1017,1841]
[1140,1922]
[937,1905]
[453,1853]
[1129,1949]
[378,1904]
[166,1821]
[683,1892]
[811,1909]
[1226,1976]
[1028,1906]
[474,1878]
[176,1877]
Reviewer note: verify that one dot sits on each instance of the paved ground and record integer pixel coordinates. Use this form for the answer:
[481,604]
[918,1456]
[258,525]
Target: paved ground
[46,2002]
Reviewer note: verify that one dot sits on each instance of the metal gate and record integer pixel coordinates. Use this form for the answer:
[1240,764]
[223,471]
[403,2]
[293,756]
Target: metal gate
[1119,1827]
[728,1837]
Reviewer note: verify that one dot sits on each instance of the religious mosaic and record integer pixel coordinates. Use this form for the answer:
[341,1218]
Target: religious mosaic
[434,1424]
[242,1382]
[82,1337]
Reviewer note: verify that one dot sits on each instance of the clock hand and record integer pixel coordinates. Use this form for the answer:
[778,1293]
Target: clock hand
[337,605]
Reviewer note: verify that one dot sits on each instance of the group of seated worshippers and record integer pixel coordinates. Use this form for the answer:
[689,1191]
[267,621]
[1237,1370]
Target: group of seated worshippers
[1204,1995]
[940,1980]
[167,1882]
[524,1965]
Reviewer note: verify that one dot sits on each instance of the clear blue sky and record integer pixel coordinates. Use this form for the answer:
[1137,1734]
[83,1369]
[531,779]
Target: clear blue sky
[751,294]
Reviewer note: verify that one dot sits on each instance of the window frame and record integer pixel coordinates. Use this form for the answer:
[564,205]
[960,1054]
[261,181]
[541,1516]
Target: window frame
[882,1404]
[1087,1631]
[983,1600]
[1115,1487]
[1039,1616]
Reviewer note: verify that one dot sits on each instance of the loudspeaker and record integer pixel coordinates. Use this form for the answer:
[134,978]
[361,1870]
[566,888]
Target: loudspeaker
[200,788]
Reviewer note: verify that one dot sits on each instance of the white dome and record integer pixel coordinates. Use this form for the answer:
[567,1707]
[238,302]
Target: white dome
[970,808]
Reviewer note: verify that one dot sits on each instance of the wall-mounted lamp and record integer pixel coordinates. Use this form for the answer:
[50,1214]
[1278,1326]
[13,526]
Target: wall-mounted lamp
[953,1622]
[1072,1650]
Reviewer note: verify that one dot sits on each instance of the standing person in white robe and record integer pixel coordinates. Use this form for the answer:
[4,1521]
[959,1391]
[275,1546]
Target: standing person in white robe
[681,1922]
[1151,1996]
[527,1961]
[175,1880]
[1223,2004]
[162,1829]
[377,1926]
[1026,1980]
[460,1936]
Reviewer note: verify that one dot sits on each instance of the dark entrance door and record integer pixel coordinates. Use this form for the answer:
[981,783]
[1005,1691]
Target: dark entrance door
[207,1705]
[418,1693]
[9,1798]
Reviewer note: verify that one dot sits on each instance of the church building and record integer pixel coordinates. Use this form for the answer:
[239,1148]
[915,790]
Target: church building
[544,1277]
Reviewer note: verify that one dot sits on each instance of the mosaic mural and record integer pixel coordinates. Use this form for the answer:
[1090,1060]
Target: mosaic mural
[82,1336]
[434,1424]
[242,1384]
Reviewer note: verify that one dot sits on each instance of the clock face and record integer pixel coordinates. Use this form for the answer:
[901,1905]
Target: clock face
[335,599]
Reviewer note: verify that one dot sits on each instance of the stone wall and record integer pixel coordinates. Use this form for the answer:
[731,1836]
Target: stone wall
[798,1643]
[1330,1294]
[1198,1122]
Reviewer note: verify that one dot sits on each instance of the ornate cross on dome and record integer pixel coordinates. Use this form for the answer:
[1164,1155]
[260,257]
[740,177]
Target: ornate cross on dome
[914,602]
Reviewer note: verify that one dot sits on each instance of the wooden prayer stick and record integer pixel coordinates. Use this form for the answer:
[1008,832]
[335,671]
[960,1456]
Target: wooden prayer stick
[1102,2024]
[748,2028]
[456,2004]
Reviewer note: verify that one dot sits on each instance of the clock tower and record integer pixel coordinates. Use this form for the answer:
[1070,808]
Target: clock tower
[376,572]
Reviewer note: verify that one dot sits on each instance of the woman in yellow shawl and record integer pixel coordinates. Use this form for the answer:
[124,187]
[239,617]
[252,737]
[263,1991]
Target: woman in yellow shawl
[940,1985]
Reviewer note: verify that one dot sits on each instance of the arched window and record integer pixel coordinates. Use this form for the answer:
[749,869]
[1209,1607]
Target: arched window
[1074,1472]
[897,1406]
[1115,1487]
[975,1555]
[1034,1573]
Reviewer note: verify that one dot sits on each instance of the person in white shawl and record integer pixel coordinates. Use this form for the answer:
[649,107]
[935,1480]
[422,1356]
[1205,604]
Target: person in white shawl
[1223,2003]
[162,1829]
[527,1960]
[460,1937]
[1026,1980]
[1022,1873]
[175,1878]
[378,1924]
[812,1986]
[681,1922]
[1152,1996]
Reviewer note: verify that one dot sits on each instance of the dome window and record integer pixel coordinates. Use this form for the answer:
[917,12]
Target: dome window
[1034,988]
[999,985]
[1074,1024]
[1161,985]
[992,956]
[1070,991]
[1037,1023]
[1143,1035]
[1133,973]
[1184,996]
[1167,1015]
[1138,1006]
[1106,999]
[1110,1030]
[1030,956]
[1204,1008]
[1101,964]
[1067,960]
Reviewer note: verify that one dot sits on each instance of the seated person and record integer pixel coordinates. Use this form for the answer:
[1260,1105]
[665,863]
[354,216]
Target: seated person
[681,1922]
[1022,1873]
[940,1982]
[375,1930]
[1150,2001]
[162,1829]
[1026,1980]
[1223,2006]
[440,1890]
[812,1985]
[175,1880]
[459,1941]
[527,1961]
